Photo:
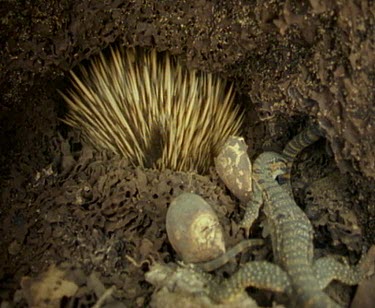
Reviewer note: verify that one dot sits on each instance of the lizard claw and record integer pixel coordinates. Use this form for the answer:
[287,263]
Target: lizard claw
[251,215]
[246,224]
[246,230]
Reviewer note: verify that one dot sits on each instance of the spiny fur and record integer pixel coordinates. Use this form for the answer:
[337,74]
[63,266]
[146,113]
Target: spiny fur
[148,108]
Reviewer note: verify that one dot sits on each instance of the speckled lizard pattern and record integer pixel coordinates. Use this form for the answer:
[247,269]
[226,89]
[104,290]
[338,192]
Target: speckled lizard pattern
[294,147]
[292,239]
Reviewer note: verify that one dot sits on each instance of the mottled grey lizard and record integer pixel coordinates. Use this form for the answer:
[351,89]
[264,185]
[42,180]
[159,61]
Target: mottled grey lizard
[291,234]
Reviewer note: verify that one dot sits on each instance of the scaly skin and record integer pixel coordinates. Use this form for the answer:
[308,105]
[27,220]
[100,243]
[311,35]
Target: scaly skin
[291,234]
[295,146]
[304,139]
[290,229]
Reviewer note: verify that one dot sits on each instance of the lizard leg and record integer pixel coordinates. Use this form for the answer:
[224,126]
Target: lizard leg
[252,210]
[259,274]
[277,168]
[327,269]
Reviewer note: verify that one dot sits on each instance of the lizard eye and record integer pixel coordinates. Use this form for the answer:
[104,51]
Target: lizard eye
[281,179]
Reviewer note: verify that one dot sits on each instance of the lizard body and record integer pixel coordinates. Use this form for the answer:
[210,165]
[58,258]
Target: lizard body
[291,235]
[290,229]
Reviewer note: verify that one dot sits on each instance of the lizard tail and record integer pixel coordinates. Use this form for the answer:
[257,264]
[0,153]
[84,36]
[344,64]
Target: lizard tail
[301,141]
[294,147]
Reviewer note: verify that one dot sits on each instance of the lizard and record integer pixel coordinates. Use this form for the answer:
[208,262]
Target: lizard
[295,272]
[294,147]
[283,164]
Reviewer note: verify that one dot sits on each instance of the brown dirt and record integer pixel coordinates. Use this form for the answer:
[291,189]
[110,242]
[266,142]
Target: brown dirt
[103,221]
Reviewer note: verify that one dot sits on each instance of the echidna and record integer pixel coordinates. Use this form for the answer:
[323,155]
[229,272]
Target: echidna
[151,110]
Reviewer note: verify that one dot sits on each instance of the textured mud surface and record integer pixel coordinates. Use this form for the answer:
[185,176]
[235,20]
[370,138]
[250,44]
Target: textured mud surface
[102,222]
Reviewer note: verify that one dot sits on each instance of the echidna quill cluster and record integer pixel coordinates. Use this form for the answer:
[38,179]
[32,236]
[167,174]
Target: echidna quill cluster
[148,108]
